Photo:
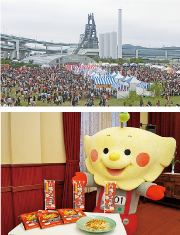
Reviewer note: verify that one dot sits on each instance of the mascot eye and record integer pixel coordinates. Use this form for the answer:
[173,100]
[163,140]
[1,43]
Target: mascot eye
[127,152]
[106,150]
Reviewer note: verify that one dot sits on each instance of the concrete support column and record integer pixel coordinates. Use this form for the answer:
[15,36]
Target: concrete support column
[136,54]
[13,54]
[165,54]
[17,49]
[5,55]
[22,55]
[119,33]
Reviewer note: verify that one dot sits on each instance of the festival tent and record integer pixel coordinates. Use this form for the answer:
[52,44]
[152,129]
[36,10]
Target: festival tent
[141,89]
[126,64]
[119,76]
[113,74]
[95,75]
[132,81]
[123,79]
[122,90]
[105,80]
[133,64]
[162,68]
[168,69]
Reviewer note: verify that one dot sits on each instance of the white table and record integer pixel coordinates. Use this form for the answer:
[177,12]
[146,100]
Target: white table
[69,229]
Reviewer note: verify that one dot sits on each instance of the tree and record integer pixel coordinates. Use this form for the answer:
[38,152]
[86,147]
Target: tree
[156,87]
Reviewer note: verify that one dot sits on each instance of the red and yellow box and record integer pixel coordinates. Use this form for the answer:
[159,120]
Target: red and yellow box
[79,195]
[49,188]
[110,193]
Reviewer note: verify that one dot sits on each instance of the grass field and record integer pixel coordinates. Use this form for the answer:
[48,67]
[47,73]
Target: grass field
[133,100]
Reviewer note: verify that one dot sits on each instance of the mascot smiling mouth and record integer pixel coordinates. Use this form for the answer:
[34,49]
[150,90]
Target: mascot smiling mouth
[115,172]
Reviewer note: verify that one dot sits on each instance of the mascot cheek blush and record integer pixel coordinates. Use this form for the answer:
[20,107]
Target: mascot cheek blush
[133,158]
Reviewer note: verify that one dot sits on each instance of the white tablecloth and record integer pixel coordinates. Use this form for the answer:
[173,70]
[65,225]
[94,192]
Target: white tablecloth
[70,229]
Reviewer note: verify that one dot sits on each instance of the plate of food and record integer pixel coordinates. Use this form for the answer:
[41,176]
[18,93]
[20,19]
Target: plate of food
[96,224]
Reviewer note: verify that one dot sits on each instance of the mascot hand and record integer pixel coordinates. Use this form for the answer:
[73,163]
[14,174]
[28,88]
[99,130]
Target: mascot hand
[79,176]
[155,192]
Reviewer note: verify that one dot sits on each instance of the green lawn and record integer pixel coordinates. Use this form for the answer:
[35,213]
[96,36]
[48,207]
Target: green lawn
[133,101]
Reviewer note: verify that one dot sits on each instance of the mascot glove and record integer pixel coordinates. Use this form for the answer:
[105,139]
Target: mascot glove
[80,176]
[155,192]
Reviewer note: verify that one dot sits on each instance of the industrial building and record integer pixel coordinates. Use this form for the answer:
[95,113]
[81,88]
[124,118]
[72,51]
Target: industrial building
[58,59]
[108,45]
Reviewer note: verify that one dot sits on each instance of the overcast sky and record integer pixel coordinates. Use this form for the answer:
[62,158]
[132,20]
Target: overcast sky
[146,23]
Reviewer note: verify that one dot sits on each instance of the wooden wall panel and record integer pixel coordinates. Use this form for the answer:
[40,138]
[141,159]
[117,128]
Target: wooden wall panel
[90,201]
[54,171]
[6,176]
[7,215]
[27,201]
[26,175]
[59,195]
[22,190]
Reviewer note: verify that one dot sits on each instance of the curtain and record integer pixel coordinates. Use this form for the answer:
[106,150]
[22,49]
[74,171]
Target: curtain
[168,125]
[93,122]
[134,120]
[71,129]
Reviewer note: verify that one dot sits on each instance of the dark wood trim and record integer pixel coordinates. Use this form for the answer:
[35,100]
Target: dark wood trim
[27,187]
[6,189]
[53,164]
[31,165]
[5,165]
[26,165]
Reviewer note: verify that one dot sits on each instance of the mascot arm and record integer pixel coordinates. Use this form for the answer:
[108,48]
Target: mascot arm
[90,180]
[151,191]
[155,192]
[142,188]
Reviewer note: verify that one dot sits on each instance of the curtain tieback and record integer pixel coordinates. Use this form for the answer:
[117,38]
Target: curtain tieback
[72,162]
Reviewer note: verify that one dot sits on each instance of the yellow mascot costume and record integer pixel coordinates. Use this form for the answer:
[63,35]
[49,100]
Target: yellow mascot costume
[133,158]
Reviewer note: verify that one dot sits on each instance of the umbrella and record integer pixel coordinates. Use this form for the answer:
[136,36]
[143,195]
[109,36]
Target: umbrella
[178,72]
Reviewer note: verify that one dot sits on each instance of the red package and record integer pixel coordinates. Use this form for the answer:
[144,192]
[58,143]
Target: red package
[49,218]
[49,188]
[71,215]
[79,195]
[29,220]
[110,193]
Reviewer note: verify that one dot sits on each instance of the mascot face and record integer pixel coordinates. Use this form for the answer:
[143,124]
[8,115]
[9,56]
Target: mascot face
[127,155]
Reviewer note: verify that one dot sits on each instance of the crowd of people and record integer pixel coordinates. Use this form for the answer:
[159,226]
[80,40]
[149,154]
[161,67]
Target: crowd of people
[170,81]
[55,85]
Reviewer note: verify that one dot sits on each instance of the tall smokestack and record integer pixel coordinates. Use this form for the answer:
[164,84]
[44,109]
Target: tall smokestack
[119,33]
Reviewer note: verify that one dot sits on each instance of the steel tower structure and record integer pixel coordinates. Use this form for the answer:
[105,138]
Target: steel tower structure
[89,39]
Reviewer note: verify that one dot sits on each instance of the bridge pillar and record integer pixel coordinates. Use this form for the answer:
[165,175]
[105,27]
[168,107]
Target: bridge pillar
[165,54]
[13,55]
[5,55]
[22,55]
[136,54]
[17,49]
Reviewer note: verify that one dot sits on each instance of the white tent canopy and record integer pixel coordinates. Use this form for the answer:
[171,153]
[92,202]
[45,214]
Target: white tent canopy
[132,81]
[141,89]
[122,90]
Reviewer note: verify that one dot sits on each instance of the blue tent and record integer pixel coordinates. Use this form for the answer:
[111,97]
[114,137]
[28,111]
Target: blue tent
[106,80]
[120,86]
[143,85]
